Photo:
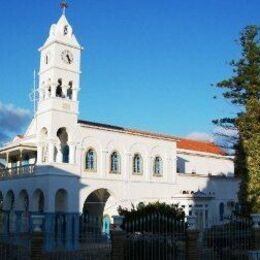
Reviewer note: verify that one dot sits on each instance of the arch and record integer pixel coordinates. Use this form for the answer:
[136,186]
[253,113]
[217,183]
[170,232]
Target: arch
[115,162]
[23,201]
[38,201]
[157,166]
[9,200]
[137,164]
[59,89]
[23,206]
[221,211]
[64,147]
[93,211]
[44,133]
[61,201]
[65,30]
[91,160]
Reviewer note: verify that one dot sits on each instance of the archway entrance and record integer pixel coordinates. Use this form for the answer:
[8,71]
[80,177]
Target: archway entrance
[61,207]
[93,219]
[23,214]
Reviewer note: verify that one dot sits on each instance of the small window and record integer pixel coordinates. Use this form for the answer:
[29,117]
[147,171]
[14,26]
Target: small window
[115,162]
[69,90]
[137,164]
[91,160]
[65,30]
[158,166]
[59,89]
[47,59]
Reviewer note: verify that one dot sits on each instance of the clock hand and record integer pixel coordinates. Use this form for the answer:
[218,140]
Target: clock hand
[69,59]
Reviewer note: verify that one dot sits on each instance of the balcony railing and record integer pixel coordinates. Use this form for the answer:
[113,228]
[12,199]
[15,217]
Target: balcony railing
[13,172]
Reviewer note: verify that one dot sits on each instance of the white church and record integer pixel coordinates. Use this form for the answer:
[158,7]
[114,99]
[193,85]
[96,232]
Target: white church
[64,164]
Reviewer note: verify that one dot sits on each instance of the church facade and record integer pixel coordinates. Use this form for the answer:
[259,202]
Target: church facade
[65,164]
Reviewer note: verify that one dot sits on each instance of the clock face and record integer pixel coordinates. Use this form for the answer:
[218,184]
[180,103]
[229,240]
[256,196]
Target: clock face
[67,57]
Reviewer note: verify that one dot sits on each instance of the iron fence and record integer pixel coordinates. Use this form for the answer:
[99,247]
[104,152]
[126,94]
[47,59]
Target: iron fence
[90,246]
[155,237]
[15,246]
[229,241]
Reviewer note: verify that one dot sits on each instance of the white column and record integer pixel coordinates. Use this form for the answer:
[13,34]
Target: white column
[53,90]
[72,153]
[20,159]
[74,94]
[64,91]
[59,154]
[39,154]
[7,160]
[51,152]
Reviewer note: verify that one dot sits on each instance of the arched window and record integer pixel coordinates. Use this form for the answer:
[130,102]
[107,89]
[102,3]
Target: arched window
[65,31]
[69,90]
[64,148]
[65,153]
[115,162]
[157,165]
[221,211]
[91,160]
[59,89]
[137,164]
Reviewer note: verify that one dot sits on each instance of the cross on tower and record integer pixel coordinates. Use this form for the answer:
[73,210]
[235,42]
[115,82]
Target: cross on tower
[64,6]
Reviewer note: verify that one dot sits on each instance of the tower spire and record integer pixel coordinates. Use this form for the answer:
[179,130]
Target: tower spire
[64,5]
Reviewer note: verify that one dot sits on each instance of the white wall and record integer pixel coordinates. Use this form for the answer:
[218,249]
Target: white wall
[187,162]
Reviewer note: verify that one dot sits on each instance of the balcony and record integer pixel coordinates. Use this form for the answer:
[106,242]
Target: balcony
[18,171]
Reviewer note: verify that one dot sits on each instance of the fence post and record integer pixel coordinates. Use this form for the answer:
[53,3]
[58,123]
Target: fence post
[118,239]
[37,238]
[192,236]
[256,231]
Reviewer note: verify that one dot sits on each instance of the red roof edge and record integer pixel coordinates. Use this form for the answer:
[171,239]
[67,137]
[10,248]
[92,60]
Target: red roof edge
[200,146]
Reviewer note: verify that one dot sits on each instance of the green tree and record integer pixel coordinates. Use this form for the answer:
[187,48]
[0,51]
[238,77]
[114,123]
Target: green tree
[143,210]
[243,89]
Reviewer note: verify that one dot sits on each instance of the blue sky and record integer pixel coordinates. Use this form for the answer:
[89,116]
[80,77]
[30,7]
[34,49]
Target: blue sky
[147,64]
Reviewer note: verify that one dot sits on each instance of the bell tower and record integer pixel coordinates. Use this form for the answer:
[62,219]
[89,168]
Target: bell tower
[59,69]
[59,80]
